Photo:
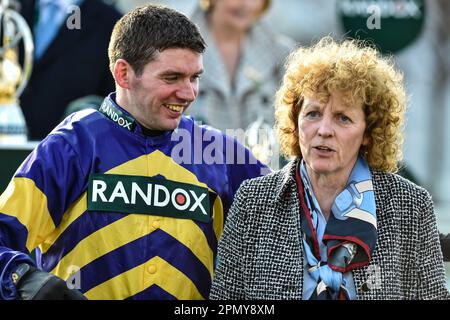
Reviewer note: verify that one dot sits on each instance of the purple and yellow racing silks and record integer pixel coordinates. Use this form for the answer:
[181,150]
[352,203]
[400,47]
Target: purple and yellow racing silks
[119,214]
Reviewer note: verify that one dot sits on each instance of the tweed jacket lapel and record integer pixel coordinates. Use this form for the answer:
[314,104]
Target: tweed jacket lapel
[287,206]
[370,282]
[274,269]
[366,278]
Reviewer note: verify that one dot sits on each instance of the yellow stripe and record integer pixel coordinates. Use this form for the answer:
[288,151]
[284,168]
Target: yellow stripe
[218,218]
[130,228]
[154,271]
[23,200]
[134,167]
[73,213]
[101,242]
[189,234]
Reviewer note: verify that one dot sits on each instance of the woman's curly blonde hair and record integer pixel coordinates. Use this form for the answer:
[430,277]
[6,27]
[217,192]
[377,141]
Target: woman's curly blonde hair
[358,72]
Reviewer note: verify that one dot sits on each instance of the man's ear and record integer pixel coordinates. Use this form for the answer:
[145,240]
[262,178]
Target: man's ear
[122,73]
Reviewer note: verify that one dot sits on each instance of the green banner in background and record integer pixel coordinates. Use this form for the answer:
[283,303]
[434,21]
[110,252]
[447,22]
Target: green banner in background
[390,24]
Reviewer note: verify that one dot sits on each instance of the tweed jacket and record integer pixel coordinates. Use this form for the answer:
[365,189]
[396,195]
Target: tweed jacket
[260,253]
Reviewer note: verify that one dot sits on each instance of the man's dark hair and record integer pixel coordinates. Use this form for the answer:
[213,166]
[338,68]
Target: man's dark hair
[140,34]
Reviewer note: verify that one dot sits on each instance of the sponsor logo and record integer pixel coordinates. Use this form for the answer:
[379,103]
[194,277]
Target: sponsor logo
[117,116]
[405,9]
[147,195]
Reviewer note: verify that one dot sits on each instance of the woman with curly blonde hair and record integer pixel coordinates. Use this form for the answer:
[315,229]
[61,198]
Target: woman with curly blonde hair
[356,72]
[336,222]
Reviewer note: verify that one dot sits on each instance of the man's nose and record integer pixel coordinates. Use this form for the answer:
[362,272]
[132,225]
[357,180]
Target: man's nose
[187,91]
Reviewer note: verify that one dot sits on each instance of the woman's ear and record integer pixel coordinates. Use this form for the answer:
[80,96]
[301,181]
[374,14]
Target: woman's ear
[365,139]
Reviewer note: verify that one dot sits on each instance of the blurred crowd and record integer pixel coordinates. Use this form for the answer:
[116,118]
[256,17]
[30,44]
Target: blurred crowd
[243,67]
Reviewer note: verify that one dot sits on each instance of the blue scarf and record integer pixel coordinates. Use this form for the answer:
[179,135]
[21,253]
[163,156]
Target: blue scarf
[350,235]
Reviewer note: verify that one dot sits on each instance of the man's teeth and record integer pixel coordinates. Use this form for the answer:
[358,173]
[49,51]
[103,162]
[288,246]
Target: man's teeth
[174,107]
[324,148]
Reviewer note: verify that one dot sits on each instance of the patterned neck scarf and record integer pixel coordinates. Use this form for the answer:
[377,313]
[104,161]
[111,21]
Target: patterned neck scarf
[350,235]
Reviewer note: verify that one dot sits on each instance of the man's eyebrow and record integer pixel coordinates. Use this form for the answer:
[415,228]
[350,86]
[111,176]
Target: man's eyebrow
[178,73]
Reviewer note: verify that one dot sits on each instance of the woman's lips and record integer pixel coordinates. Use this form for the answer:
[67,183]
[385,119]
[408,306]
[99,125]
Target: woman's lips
[323,150]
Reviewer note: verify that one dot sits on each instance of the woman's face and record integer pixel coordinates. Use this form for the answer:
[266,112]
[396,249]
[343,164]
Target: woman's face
[237,14]
[331,134]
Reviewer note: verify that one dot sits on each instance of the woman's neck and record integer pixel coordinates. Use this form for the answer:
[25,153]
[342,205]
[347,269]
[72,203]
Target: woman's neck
[326,188]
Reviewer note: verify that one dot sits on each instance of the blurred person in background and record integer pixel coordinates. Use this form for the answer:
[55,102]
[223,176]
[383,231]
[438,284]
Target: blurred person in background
[243,63]
[70,61]
[336,222]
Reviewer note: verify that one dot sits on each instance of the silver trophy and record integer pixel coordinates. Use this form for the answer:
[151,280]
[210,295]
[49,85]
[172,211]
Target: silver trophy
[260,139]
[13,77]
